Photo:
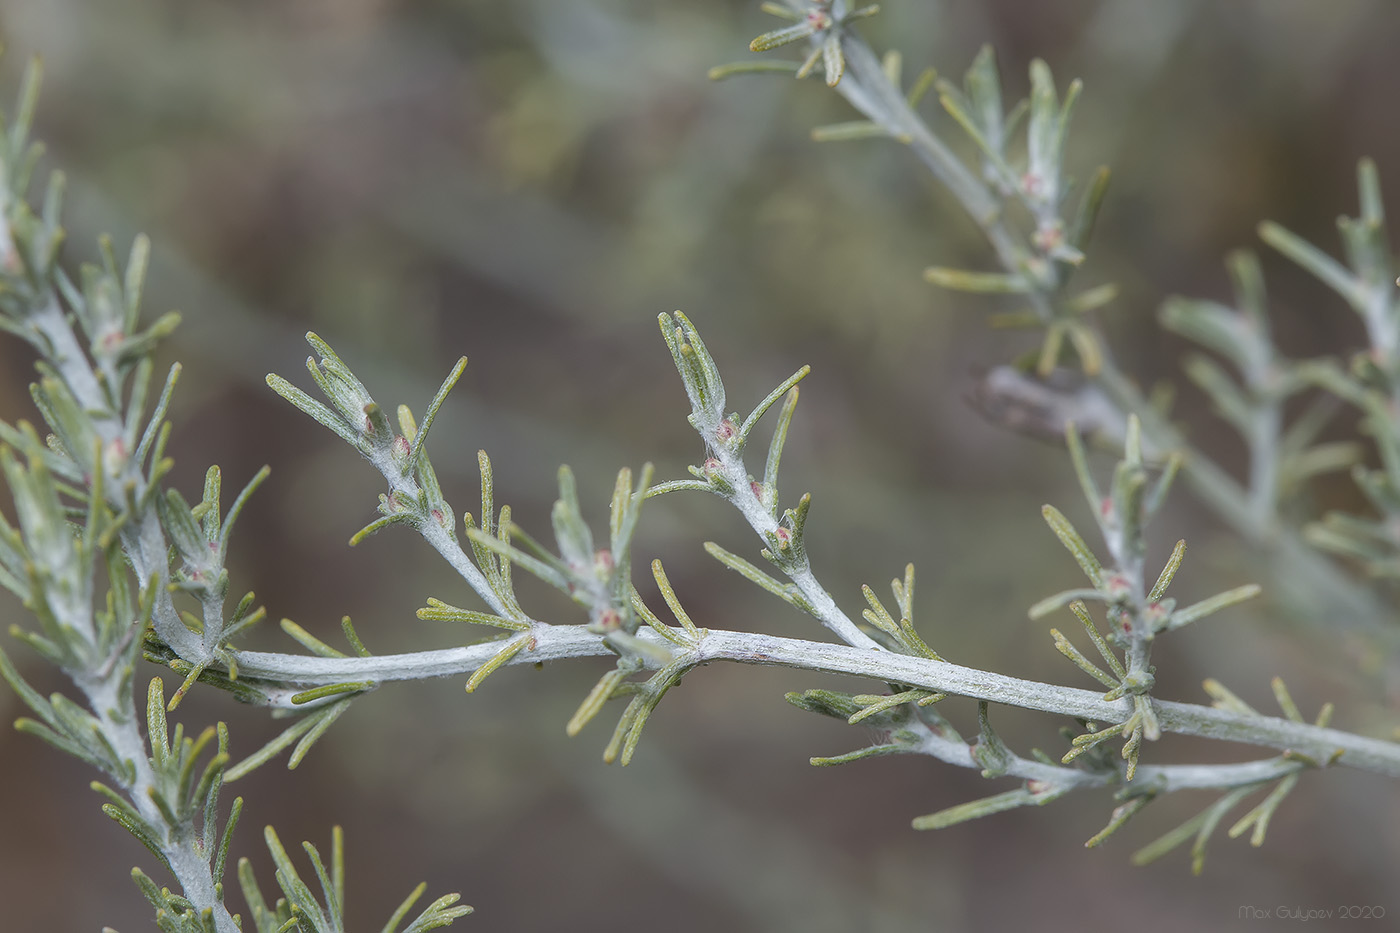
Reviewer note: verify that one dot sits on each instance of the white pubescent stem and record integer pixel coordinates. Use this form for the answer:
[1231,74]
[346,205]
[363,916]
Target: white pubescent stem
[146,547]
[451,550]
[760,520]
[441,540]
[113,708]
[560,642]
[144,541]
[1162,779]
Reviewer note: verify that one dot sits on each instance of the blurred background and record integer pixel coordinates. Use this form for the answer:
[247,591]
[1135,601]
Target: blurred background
[529,184]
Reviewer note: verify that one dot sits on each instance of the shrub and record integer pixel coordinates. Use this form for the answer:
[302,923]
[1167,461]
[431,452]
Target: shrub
[116,566]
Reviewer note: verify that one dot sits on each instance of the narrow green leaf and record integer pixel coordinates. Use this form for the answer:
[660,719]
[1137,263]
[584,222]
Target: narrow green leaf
[353,637]
[921,86]
[309,641]
[28,694]
[955,104]
[785,591]
[144,832]
[1212,605]
[833,61]
[379,524]
[321,722]
[25,105]
[252,893]
[763,66]
[1086,344]
[269,751]
[872,751]
[1201,826]
[592,704]
[420,436]
[439,913]
[673,602]
[784,36]
[403,909]
[787,385]
[875,705]
[963,280]
[652,620]
[990,751]
[1081,468]
[629,728]
[501,657]
[330,690]
[1332,273]
[1050,349]
[1260,816]
[236,508]
[1159,589]
[60,741]
[677,485]
[1224,698]
[975,809]
[313,408]
[1081,612]
[439,611]
[552,575]
[775,446]
[1073,543]
[328,888]
[1285,700]
[1063,645]
[155,722]
[1083,226]
[825,702]
[221,855]
[1093,298]
[1121,815]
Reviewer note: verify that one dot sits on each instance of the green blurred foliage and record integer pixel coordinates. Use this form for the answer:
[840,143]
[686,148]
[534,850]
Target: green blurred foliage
[529,183]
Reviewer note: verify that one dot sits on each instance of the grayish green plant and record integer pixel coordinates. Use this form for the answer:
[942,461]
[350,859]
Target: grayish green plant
[1018,190]
[106,558]
[114,565]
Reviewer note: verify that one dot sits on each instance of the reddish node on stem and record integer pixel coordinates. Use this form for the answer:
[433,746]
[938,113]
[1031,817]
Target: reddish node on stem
[1117,588]
[115,455]
[1048,237]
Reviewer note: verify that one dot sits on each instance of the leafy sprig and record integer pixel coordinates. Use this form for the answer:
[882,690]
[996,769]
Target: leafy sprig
[111,563]
[92,512]
[1016,190]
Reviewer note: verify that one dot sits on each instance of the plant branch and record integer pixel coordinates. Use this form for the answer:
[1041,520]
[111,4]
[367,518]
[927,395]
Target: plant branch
[1334,598]
[562,642]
